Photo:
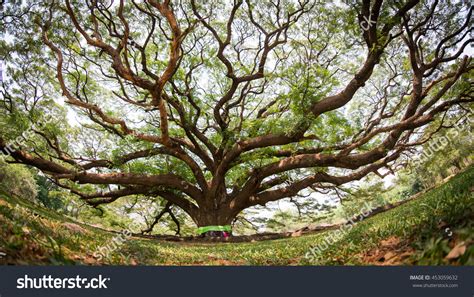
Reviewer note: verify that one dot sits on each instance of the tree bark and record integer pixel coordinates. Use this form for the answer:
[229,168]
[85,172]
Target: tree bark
[217,217]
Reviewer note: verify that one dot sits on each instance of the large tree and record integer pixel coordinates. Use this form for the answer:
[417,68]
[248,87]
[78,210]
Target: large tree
[218,106]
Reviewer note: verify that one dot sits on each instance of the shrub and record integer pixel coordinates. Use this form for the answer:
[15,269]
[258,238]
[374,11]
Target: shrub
[17,180]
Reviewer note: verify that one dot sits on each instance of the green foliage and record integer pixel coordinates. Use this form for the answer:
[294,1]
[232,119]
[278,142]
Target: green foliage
[44,188]
[17,180]
[448,152]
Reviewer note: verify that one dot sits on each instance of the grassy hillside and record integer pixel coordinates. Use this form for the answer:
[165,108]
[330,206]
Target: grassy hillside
[437,228]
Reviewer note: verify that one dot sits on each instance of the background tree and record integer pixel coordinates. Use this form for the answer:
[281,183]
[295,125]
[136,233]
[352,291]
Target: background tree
[45,187]
[220,106]
[17,180]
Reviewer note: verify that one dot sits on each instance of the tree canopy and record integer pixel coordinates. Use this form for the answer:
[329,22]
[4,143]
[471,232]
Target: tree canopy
[218,106]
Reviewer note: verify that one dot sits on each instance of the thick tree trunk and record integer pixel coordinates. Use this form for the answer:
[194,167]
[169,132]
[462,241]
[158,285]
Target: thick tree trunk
[214,217]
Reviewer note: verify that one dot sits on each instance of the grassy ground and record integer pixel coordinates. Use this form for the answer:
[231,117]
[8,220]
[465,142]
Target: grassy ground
[435,229]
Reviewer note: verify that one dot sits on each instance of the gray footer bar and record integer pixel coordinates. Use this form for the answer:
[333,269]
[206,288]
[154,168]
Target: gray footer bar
[237,281]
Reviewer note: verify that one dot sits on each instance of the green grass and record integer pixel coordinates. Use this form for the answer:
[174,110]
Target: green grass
[419,225]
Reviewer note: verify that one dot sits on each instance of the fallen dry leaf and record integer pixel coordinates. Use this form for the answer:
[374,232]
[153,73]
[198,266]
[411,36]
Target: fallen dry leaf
[389,255]
[457,251]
